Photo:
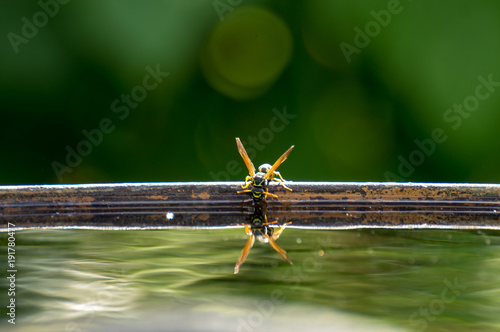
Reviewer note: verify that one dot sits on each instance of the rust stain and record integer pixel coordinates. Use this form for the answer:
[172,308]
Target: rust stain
[204,195]
[159,197]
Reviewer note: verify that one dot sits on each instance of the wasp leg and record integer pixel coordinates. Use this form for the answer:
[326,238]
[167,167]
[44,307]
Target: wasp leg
[248,181]
[266,192]
[244,191]
[272,195]
[270,222]
[280,230]
[280,251]
[248,230]
[245,251]
[278,178]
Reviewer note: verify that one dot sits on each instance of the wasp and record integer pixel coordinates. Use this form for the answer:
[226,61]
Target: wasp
[259,228]
[265,173]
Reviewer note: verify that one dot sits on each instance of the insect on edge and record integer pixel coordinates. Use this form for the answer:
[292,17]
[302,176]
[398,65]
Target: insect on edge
[266,172]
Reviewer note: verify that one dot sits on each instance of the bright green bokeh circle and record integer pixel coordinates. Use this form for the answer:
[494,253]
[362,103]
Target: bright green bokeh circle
[250,48]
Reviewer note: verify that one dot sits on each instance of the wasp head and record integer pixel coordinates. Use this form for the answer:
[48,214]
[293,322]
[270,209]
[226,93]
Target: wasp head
[264,168]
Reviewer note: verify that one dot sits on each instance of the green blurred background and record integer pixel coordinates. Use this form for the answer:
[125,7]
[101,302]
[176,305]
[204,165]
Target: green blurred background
[66,69]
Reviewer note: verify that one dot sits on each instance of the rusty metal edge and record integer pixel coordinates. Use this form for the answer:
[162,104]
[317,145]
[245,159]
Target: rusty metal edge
[233,208]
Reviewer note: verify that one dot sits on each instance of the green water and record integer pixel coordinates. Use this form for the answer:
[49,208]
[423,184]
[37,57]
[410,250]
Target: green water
[182,280]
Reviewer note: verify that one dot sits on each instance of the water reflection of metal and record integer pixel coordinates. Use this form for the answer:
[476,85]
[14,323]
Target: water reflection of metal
[326,205]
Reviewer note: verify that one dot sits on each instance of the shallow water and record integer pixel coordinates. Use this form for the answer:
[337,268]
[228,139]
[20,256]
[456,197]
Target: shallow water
[182,280]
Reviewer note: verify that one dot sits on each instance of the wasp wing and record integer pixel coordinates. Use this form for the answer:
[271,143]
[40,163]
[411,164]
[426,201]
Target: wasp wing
[278,162]
[280,251]
[244,155]
[244,253]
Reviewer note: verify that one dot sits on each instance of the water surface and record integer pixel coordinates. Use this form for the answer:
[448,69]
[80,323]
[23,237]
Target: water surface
[182,280]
